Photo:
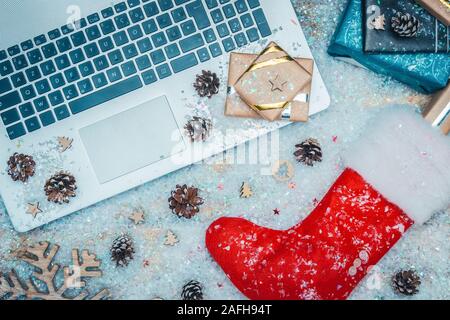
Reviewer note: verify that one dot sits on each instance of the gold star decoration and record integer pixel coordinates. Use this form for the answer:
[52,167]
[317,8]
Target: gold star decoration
[64,143]
[171,239]
[379,22]
[137,217]
[34,209]
[277,84]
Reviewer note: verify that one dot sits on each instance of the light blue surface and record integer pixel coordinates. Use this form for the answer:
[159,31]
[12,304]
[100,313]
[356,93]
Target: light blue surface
[357,95]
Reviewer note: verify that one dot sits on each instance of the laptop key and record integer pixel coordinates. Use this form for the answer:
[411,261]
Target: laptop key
[34,56]
[261,22]
[3,55]
[149,77]
[215,50]
[163,71]
[128,68]
[18,79]
[86,69]
[6,68]
[78,38]
[26,110]
[14,50]
[151,9]
[16,131]
[70,92]
[106,44]
[143,62]
[228,44]
[42,86]
[5,86]
[28,92]
[62,62]
[93,18]
[165,4]
[77,56]
[107,27]
[57,80]
[122,21]
[63,44]
[197,11]
[91,50]
[184,63]
[56,98]
[203,55]
[10,116]
[144,45]
[99,80]
[33,74]
[32,124]
[137,15]
[111,92]
[54,34]
[135,32]
[49,50]
[253,34]
[85,86]
[41,104]
[20,62]
[47,118]
[62,113]
[93,32]
[149,26]
[47,67]
[193,42]
[108,12]
[101,63]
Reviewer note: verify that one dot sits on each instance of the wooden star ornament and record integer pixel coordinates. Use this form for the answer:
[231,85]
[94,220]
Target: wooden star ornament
[65,143]
[137,217]
[277,84]
[34,209]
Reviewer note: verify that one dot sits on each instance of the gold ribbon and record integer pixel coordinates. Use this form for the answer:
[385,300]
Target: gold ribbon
[445,3]
[269,63]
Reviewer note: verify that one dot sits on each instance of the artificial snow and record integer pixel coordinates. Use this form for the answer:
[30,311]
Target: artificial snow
[160,271]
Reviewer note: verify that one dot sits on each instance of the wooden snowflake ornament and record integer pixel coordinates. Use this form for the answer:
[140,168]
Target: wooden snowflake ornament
[45,271]
[64,143]
[137,217]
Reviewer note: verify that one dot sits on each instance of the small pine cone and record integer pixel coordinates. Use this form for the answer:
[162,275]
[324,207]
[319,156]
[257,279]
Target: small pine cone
[185,202]
[207,84]
[309,152]
[122,251]
[192,291]
[406,282]
[21,167]
[60,188]
[405,25]
[198,129]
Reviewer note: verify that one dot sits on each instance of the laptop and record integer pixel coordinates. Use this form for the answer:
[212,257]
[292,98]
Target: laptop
[116,78]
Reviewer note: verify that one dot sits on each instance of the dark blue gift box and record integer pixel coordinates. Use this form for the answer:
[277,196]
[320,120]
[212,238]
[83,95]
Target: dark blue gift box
[426,73]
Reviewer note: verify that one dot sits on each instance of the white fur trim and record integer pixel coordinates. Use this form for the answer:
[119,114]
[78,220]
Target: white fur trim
[407,161]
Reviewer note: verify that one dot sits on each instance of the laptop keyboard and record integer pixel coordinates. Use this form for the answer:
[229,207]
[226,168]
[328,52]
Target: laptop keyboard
[116,51]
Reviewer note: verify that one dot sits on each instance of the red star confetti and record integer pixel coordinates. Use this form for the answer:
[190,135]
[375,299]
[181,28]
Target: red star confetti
[334,139]
[276,212]
[146,263]
[220,186]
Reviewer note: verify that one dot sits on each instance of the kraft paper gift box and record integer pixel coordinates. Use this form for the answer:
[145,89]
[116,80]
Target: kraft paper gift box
[438,8]
[438,112]
[236,107]
[272,82]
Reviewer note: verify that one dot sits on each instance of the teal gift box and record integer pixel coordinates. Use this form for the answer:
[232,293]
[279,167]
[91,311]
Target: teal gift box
[426,73]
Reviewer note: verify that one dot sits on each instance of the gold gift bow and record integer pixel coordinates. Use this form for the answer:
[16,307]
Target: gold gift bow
[445,3]
[271,62]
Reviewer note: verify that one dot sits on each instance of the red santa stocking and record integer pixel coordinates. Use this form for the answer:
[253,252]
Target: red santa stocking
[397,175]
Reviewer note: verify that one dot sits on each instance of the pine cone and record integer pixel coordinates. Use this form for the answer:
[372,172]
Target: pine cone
[207,84]
[405,25]
[406,282]
[122,250]
[198,129]
[184,201]
[60,188]
[308,152]
[192,291]
[21,167]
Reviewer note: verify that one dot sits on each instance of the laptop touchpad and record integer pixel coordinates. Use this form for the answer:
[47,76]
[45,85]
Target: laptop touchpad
[132,139]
